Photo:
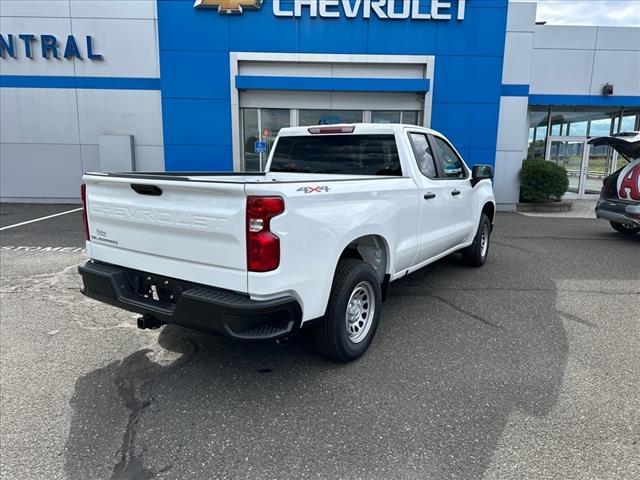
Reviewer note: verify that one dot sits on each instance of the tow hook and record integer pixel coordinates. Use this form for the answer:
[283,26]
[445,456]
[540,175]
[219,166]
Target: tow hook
[149,322]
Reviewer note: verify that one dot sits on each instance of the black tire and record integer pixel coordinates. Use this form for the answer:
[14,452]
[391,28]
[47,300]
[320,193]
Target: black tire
[331,331]
[474,255]
[623,228]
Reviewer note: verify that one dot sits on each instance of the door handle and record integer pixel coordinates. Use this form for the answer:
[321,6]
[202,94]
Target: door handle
[455,192]
[144,189]
[429,196]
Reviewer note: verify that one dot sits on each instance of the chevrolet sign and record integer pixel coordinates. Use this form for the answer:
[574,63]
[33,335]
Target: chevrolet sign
[383,9]
[229,6]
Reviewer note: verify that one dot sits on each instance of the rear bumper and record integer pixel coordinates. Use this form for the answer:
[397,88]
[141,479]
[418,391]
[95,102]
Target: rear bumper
[618,212]
[203,308]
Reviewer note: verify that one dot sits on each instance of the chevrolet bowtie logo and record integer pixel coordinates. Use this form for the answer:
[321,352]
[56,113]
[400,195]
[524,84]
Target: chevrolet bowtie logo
[229,6]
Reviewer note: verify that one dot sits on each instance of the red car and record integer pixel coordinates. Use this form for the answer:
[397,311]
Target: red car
[620,196]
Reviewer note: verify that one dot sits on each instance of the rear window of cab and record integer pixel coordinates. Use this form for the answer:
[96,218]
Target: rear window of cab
[338,154]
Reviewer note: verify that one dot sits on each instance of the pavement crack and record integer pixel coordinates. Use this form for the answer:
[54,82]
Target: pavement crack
[533,253]
[576,319]
[134,378]
[465,312]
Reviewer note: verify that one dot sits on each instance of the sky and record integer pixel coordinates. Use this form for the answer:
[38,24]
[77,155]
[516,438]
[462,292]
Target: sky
[589,12]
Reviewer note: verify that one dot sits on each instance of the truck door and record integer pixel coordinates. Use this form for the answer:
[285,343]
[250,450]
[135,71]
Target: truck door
[435,208]
[455,178]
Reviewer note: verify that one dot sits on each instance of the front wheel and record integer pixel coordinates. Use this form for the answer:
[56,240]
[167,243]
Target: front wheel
[625,228]
[353,312]
[475,255]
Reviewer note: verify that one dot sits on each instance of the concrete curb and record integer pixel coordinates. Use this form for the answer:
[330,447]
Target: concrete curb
[548,207]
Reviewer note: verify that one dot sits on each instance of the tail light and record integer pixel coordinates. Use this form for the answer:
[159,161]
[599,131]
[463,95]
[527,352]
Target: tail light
[85,221]
[263,246]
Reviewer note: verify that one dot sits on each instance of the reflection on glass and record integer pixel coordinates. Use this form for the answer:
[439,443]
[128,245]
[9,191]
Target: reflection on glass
[411,117]
[383,116]
[630,121]
[251,134]
[600,165]
[273,119]
[328,117]
[578,122]
[568,154]
[538,120]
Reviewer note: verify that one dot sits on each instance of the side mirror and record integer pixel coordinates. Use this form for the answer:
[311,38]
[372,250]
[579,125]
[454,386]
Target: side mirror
[481,172]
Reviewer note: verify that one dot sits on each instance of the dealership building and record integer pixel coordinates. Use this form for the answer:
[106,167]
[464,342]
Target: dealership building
[185,85]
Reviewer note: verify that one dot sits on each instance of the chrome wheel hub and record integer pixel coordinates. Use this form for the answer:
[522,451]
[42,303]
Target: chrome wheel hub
[484,240]
[360,311]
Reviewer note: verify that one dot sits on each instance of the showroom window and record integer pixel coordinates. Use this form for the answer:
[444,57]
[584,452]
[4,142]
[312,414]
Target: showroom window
[410,117]
[328,117]
[560,135]
[576,122]
[263,124]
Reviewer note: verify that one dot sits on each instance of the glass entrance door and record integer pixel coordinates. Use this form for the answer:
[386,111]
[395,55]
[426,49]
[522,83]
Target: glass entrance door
[586,165]
[568,152]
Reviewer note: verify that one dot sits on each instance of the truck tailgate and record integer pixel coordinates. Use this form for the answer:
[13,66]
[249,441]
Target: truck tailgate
[177,228]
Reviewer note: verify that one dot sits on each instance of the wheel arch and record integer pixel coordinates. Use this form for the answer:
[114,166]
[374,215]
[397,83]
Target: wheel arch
[372,249]
[489,208]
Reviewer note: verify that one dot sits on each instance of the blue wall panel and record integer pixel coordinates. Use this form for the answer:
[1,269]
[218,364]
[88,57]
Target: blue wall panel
[195,121]
[193,158]
[195,75]
[194,63]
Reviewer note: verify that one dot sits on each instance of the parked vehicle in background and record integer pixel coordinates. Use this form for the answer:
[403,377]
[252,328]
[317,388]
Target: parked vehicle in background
[342,211]
[620,196]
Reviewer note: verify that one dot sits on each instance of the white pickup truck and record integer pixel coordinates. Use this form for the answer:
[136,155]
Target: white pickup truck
[342,211]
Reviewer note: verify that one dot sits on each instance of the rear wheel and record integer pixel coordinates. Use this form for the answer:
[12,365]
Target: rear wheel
[475,255]
[353,312]
[625,228]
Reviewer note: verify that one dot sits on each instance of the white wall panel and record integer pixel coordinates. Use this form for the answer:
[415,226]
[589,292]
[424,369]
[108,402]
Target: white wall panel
[44,171]
[142,9]
[506,182]
[340,70]
[373,70]
[129,48]
[565,37]
[90,158]
[622,69]
[285,69]
[561,72]
[34,8]
[328,100]
[39,115]
[517,58]
[521,16]
[149,158]
[512,125]
[618,38]
[22,65]
[120,112]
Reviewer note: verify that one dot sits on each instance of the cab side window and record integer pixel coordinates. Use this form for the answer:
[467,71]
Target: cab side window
[450,162]
[423,154]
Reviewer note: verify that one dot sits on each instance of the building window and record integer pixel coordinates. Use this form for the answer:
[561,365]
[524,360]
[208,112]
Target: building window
[328,117]
[538,124]
[579,122]
[409,117]
[261,124]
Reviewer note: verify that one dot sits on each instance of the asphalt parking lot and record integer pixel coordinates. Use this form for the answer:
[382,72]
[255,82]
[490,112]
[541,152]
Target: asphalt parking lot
[526,368]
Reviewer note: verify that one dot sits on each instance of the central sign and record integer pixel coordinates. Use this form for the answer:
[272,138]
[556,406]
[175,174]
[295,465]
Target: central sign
[383,9]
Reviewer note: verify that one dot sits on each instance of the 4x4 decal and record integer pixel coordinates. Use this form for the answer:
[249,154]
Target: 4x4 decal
[318,189]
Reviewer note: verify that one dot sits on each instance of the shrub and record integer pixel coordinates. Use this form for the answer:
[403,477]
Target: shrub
[541,181]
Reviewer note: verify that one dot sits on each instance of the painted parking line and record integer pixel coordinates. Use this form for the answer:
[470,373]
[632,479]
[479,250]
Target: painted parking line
[23,248]
[39,219]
